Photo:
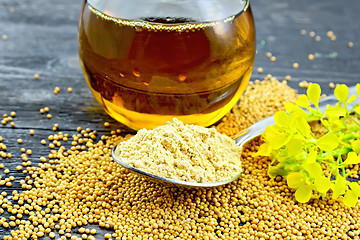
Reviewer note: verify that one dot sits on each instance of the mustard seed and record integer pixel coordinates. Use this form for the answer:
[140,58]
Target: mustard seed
[19,141]
[31,132]
[56,90]
[350,44]
[311,57]
[317,38]
[36,76]
[268,54]
[4,37]
[330,33]
[107,124]
[303,32]
[273,59]
[260,70]
[295,65]
[312,34]
[331,85]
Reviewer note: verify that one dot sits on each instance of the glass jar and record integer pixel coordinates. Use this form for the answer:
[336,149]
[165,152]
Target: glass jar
[149,61]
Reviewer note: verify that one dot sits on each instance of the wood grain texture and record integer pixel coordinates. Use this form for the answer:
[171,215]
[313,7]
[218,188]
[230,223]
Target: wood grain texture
[42,39]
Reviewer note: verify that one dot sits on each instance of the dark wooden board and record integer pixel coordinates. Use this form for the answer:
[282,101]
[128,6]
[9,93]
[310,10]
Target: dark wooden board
[42,39]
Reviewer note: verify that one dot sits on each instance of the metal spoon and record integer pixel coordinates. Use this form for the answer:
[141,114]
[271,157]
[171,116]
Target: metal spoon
[240,139]
[169,181]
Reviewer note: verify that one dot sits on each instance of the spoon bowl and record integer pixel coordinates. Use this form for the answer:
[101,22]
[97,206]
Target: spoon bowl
[168,181]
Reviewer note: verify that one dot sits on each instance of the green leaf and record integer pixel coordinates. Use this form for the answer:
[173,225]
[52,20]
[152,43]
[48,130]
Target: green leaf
[289,107]
[335,111]
[351,99]
[313,169]
[278,170]
[303,101]
[264,150]
[355,187]
[281,119]
[322,184]
[277,140]
[328,142]
[311,158]
[341,93]
[357,109]
[339,187]
[295,146]
[355,145]
[302,126]
[314,92]
[303,193]
[295,180]
[350,199]
[352,158]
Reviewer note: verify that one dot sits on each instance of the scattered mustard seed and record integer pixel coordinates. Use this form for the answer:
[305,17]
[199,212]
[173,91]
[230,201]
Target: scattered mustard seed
[31,131]
[330,33]
[260,70]
[303,32]
[268,54]
[311,57]
[312,34]
[295,65]
[6,171]
[36,76]
[273,59]
[317,38]
[69,89]
[12,9]
[287,77]
[56,90]
[4,37]
[106,124]
[13,114]
[49,116]
[350,44]
[19,140]
[331,85]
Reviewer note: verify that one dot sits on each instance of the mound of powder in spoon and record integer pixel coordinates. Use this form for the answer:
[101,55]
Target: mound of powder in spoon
[182,152]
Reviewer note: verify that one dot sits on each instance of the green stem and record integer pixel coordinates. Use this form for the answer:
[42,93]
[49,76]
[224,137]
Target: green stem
[354,121]
[323,123]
